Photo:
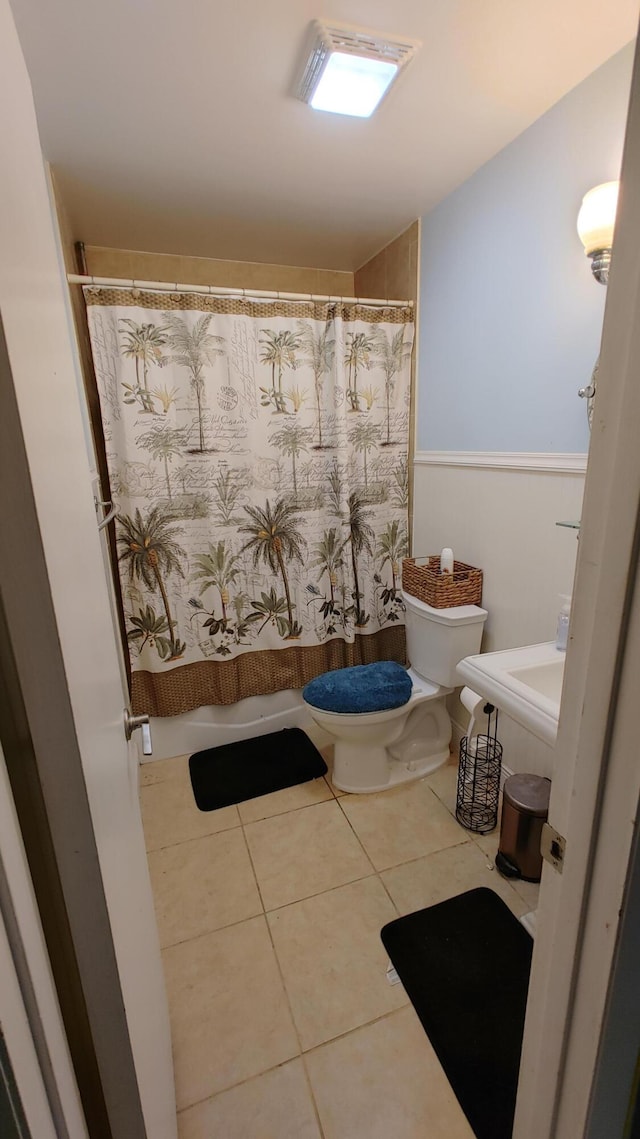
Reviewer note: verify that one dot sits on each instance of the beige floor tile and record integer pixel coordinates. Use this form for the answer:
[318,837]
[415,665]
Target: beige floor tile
[229,1014]
[202,885]
[161,769]
[328,755]
[289,799]
[444,782]
[488,843]
[303,853]
[528,891]
[400,824]
[384,1082]
[333,961]
[336,790]
[277,1105]
[170,815]
[444,874]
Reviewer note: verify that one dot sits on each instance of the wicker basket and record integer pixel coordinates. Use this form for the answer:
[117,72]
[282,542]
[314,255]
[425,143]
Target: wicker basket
[442,590]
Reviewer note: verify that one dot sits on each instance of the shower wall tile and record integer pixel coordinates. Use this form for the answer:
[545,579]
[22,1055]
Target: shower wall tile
[373,283]
[400,282]
[111,263]
[393,272]
[331,282]
[200,271]
[154,267]
[103,262]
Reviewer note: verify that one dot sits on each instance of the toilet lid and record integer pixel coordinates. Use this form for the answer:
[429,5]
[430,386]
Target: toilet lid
[361,688]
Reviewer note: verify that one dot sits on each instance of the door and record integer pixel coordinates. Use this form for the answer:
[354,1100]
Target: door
[596,783]
[55,596]
[38,1090]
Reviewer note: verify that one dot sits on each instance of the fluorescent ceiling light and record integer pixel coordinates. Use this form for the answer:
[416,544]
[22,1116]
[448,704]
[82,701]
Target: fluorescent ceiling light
[352,85]
[349,70]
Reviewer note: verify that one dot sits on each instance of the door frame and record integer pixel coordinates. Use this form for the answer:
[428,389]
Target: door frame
[20,1071]
[596,784]
[30,1014]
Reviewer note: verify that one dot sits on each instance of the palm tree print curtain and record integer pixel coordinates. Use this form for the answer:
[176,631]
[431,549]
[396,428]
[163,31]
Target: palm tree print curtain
[258,456]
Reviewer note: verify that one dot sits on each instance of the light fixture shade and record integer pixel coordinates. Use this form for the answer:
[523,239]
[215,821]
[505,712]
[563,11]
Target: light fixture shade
[597,217]
[349,70]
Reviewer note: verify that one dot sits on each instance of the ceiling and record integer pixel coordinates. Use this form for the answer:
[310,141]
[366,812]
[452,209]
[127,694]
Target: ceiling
[172,127]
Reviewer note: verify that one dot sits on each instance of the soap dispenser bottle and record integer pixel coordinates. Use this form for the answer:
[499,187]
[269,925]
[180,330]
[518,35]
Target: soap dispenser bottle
[562,630]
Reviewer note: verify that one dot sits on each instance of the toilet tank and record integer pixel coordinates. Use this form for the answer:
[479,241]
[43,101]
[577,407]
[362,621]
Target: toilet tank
[437,639]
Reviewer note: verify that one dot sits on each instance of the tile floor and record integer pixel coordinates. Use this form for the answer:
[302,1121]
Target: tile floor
[283,1023]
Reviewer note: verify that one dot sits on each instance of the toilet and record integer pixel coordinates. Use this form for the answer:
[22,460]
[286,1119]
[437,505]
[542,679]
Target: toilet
[377,750]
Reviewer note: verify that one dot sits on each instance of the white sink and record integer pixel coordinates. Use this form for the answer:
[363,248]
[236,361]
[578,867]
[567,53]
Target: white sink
[525,683]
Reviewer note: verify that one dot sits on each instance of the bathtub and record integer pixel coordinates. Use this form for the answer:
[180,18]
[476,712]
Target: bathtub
[215,725]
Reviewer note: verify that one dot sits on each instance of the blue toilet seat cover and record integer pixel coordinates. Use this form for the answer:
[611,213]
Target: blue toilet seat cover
[362,688]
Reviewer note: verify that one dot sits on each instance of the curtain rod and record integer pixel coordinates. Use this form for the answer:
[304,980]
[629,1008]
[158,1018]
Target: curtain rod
[217,291]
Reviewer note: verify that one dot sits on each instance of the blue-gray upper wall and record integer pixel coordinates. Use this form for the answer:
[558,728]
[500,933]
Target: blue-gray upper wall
[510,314]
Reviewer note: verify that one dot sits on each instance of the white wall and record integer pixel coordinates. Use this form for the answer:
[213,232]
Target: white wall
[503,521]
[510,314]
[510,321]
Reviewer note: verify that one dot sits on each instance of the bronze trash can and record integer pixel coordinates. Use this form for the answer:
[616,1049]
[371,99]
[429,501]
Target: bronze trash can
[525,807]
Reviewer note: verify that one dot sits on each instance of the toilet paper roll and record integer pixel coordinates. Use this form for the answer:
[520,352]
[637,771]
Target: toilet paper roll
[474,705]
[471,701]
[446,560]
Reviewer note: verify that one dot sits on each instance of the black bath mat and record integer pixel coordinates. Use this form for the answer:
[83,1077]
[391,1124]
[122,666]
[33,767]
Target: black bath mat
[230,774]
[465,966]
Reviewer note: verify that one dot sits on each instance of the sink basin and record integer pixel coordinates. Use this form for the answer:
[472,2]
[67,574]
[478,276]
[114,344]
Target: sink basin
[546,679]
[526,683]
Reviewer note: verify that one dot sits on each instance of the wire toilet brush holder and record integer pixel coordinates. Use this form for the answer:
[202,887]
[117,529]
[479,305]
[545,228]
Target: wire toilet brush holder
[478,790]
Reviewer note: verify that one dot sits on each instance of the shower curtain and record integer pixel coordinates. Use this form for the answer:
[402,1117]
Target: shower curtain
[258,456]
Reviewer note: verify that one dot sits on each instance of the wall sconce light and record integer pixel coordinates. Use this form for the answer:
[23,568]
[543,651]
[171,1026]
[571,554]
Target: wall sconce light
[596,222]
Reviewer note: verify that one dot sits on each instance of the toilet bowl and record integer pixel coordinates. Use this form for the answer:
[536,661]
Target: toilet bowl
[377,750]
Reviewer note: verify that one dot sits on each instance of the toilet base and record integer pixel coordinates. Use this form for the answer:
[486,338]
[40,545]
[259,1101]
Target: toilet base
[380,770]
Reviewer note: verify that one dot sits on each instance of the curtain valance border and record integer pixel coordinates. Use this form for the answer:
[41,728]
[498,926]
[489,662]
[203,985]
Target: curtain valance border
[245,306]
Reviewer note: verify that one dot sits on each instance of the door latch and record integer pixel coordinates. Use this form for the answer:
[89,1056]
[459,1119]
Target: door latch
[553,846]
[132,723]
